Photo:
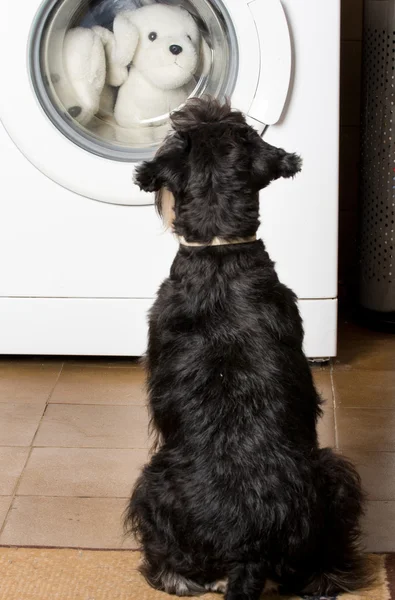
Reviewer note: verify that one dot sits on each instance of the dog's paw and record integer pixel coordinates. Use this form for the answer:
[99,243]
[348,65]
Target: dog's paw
[218,587]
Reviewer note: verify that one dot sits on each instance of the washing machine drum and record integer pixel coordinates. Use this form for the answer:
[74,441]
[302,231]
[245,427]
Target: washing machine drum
[108,73]
[101,77]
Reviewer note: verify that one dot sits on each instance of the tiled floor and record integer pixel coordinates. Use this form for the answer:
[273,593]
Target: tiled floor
[73,436]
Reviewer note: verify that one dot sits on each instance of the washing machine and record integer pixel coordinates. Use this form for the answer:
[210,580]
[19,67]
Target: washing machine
[82,249]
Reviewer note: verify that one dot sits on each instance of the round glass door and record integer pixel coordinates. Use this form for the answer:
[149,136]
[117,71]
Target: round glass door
[107,73]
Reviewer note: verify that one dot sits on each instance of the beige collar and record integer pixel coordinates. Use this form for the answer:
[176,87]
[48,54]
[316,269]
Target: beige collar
[218,241]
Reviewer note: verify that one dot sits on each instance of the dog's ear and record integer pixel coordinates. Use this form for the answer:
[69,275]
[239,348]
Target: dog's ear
[165,170]
[148,176]
[270,163]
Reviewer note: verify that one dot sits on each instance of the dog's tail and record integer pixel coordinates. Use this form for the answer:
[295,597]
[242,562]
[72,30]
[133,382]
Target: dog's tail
[246,582]
[344,566]
[356,574]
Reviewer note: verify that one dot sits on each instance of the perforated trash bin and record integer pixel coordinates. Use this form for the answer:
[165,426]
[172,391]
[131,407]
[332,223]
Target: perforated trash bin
[377,197]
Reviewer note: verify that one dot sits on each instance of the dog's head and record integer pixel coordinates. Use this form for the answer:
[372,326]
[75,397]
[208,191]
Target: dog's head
[213,164]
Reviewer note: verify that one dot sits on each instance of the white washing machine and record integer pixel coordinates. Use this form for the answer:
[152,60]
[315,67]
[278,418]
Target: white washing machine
[82,250]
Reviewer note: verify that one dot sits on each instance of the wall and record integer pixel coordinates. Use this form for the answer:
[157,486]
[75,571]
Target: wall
[351,52]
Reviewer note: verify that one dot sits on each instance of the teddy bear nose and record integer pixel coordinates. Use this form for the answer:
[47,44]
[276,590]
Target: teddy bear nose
[75,111]
[175,49]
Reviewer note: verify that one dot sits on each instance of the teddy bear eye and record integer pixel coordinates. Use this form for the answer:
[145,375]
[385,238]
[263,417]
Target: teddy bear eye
[152,36]
[189,37]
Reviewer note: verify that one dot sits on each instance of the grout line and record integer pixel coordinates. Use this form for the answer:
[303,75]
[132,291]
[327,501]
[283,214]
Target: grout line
[362,369]
[148,448]
[12,496]
[374,409]
[72,362]
[76,548]
[141,404]
[28,454]
[110,448]
[331,372]
[46,404]
[91,448]
[110,404]
[334,407]
[81,496]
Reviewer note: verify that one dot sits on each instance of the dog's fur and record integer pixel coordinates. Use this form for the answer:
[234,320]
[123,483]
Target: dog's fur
[238,491]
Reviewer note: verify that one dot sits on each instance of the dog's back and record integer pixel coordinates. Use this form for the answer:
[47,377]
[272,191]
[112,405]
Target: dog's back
[238,489]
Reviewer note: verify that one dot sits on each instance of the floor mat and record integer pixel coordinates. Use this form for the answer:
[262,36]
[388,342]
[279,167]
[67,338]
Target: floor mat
[67,574]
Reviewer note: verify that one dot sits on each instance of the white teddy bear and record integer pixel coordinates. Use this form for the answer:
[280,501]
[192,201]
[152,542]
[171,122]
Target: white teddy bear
[164,47]
[150,59]
[152,56]
[80,76]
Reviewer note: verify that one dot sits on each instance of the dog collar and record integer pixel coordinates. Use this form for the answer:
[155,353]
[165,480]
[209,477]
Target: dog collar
[217,241]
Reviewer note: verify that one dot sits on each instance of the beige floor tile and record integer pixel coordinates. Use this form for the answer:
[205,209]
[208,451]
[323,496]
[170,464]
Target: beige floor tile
[365,388]
[377,470]
[98,472]
[100,385]
[323,383]
[104,361]
[72,426]
[5,503]
[326,429]
[66,522]
[360,348]
[366,429]
[30,360]
[12,461]
[27,381]
[326,425]
[379,527]
[19,422]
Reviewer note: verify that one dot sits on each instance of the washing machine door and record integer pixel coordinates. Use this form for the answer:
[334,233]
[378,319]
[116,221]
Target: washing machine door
[88,84]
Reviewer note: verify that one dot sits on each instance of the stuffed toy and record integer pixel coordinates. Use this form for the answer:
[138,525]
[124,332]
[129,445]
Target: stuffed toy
[162,47]
[133,76]
[80,76]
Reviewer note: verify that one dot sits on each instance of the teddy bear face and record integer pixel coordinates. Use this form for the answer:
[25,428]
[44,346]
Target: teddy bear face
[168,47]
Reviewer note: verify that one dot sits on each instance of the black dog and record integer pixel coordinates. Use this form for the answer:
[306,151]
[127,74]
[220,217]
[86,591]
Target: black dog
[238,492]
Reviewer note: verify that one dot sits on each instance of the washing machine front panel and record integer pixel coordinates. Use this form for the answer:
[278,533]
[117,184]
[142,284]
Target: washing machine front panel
[85,161]
[300,217]
[275,62]
[80,275]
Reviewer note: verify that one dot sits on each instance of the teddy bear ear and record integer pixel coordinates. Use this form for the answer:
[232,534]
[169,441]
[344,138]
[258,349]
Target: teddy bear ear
[126,37]
[116,73]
